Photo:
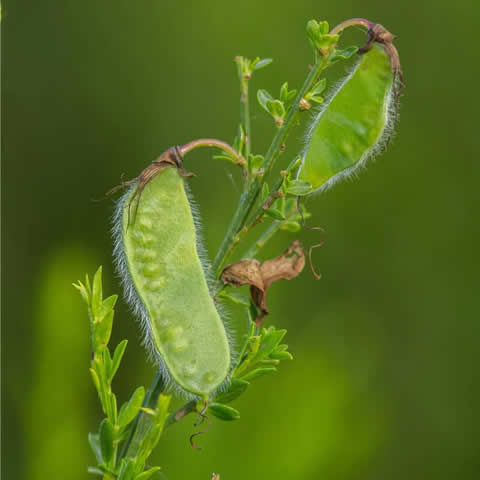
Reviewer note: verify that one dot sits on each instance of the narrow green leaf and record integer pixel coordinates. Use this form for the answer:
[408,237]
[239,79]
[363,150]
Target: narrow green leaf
[147,473]
[263,97]
[327,42]
[284,92]
[323,27]
[257,65]
[276,108]
[83,291]
[94,441]
[319,87]
[97,292]
[106,440]
[269,361]
[117,357]
[87,285]
[163,403]
[316,99]
[107,361]
[130,409]
[127,469]
[95,379]
[265,191]
[257,373]
[294,164]
[268,342]
[95,471]
[241,138]
[223,412]
[281,355]
[255,161]
[102,332]
[274,213]
[235,389]
[298,188]
[160,415]
[313,29]
[290,226]
[223,157]
[342,54]
[109,303]
[233,297]
[290,96]
[113,408]
[148,411]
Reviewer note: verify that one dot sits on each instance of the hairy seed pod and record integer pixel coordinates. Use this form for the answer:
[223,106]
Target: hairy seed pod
[157,252]
[353,125]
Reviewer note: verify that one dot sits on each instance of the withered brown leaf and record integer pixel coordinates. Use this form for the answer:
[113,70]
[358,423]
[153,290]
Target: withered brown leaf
[260,276]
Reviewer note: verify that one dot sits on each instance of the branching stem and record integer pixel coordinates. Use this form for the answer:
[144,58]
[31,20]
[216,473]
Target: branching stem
[249,197]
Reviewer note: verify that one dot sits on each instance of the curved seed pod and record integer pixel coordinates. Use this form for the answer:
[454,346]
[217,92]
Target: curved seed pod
[157,253]
[354,124]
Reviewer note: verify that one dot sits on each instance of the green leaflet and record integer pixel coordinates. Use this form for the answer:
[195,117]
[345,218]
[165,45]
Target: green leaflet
[159,249]
[352,124]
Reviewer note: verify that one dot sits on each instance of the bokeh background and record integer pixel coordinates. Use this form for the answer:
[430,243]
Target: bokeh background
[385,379]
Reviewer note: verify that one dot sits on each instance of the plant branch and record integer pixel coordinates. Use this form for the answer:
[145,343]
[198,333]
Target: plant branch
[245,106]
[248,198]
[264,238]
[213,142]
[256,218]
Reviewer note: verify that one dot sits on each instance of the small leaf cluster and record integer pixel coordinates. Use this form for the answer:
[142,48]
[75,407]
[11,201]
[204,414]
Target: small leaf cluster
[261,353]
[321,41]
[116,427]
[254,162]
[314,94]
[246,67]
[238,145]
[284,208]
[276,107]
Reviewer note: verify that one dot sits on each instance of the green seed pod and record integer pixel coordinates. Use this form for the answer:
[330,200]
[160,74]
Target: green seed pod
[353,125]
[159,257]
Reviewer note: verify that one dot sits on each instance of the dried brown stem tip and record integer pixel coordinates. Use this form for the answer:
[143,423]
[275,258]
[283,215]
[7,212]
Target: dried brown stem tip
[261,275]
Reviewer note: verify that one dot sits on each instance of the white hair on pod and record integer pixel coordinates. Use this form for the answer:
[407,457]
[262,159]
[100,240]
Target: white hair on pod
[138,308]
[391,116]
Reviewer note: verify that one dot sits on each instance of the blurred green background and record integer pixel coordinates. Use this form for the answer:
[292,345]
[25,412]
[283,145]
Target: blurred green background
[385,379]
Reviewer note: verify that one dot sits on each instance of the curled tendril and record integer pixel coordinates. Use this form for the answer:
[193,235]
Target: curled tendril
[202,417]
[316,275]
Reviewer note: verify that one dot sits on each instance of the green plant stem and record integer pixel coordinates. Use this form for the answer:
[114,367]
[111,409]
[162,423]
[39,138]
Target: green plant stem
[267,235]
[248,337]
[248,198]
[213,142]
[139,425]
[175,417]
[245,115]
